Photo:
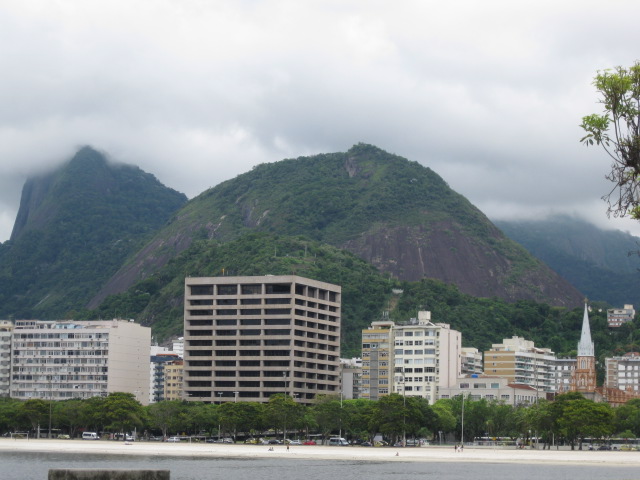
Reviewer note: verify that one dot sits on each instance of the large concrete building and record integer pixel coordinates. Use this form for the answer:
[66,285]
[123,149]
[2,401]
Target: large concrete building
[247,338]
[521,362]
[59,360]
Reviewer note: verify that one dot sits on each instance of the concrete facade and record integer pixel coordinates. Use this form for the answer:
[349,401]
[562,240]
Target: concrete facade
[59,360]
[247,338]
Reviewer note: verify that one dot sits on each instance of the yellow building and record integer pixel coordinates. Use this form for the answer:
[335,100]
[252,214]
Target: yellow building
[377,342]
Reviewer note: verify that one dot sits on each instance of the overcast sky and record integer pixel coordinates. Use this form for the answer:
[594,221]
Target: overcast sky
[487,94]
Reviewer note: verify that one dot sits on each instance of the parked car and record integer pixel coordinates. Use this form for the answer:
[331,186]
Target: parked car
[173,439]
[274,441]
[366,444]
[338,441]
[309,442]
[294,442]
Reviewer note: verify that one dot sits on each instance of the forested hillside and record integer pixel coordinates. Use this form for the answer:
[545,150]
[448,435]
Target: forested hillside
[75,228]
[603,264]
[393,213]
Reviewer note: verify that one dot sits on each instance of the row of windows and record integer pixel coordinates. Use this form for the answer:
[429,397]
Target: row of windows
[415,361]
[428,351]
[263,289]
[417,333]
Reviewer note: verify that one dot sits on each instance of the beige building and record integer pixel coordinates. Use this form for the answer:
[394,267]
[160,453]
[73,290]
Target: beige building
[79,359]
[377,360]
[173,380]
[6,327]
[521,362]
[248,338]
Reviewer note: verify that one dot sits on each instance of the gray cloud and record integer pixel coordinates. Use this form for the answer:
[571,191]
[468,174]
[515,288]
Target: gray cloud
[487,94]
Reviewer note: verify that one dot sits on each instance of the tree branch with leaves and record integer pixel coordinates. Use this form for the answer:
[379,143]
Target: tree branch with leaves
[617,131]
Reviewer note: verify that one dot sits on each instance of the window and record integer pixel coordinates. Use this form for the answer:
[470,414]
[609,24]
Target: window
[201,289]
[227,289]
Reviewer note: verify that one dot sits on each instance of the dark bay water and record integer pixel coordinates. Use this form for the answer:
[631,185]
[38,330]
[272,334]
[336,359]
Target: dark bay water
[35,466]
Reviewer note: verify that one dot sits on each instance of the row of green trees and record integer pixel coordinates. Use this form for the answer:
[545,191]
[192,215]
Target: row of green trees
[568,419]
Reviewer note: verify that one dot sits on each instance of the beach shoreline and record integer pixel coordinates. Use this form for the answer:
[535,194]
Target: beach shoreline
[321,452]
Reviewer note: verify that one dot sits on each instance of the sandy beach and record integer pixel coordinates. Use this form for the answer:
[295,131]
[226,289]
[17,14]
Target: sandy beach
[419,454]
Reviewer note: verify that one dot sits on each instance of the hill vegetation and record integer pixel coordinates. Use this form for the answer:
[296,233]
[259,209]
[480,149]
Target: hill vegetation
[75,228]
[603,264]
[393,213]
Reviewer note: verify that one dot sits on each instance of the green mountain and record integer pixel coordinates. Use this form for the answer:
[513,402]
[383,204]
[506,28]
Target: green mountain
[603,264]
[393,213]
[74,229]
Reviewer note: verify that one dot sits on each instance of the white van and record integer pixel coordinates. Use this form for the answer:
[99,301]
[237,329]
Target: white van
[90,436]
[338,441]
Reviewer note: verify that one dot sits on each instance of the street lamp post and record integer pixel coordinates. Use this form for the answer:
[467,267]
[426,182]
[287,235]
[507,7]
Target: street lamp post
[462,423]
[340,434]
[220,397]
[50,404]
[404,407]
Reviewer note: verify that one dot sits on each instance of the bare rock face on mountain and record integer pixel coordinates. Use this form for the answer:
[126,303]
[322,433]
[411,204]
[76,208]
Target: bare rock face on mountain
[397,214]
[445,253]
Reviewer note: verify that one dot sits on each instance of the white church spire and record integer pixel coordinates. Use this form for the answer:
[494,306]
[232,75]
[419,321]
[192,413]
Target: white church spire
[585,346]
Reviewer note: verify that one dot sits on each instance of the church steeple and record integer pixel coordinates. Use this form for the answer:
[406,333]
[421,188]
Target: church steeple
[585,346]
[584,376]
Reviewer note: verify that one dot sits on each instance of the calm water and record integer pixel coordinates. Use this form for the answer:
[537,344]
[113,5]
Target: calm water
[35,466]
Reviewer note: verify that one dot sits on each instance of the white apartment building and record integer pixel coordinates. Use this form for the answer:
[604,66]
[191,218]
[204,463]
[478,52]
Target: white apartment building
[178,346]
[426,357]
[66,359]
[471,361]
[247,338]
[351,378]
[6,327]
[563,371]
[520,361]
[617,317]
[623,372]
